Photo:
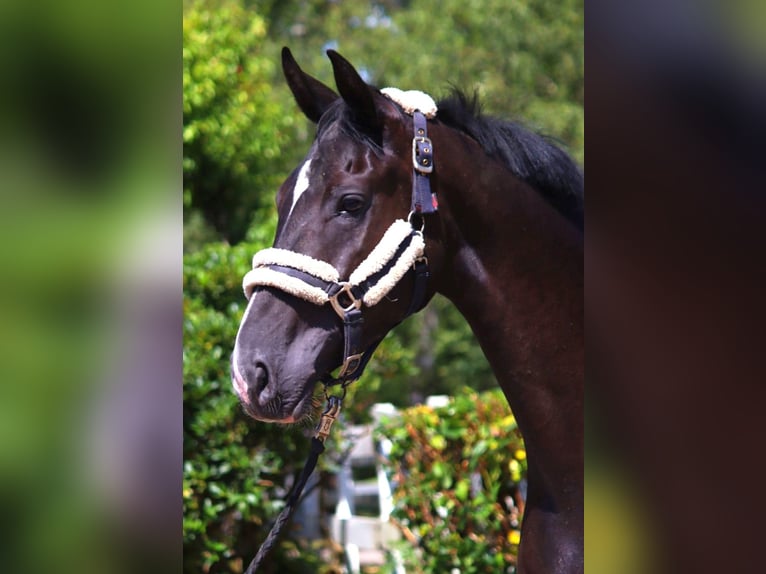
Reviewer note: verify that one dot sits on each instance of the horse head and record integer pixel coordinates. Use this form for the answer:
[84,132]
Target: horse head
[343,268]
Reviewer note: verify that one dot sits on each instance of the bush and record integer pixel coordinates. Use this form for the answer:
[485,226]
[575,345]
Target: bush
[458,472]
[236,471]
[234,125]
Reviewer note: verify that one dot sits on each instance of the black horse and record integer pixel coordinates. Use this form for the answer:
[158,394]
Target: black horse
[400,198]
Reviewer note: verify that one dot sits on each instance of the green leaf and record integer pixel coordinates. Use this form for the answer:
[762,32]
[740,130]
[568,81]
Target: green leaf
[438,442]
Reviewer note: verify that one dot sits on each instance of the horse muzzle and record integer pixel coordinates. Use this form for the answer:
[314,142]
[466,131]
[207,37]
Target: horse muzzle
[261,398]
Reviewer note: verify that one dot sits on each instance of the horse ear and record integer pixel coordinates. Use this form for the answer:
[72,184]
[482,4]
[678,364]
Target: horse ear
[311,95]
[354,90]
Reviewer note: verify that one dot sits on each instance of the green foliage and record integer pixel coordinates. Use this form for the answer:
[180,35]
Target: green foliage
[523,57]
[457,469]
[525,60]
[235,127]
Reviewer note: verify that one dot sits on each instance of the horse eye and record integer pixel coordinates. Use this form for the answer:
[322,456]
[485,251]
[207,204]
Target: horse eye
[351,203]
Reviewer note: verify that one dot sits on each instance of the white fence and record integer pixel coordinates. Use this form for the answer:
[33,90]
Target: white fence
[360,521]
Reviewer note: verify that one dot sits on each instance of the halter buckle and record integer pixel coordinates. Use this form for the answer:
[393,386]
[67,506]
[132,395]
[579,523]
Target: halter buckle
[422,154]
[340,309]
[350,365]
[329,416]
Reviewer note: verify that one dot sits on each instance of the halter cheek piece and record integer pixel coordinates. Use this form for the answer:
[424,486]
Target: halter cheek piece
[400,249]
[317,282]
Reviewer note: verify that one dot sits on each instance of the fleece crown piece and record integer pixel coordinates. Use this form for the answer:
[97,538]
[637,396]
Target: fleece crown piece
[412,100]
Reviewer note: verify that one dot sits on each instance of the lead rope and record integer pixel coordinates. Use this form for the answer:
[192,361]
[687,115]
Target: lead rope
[328,417]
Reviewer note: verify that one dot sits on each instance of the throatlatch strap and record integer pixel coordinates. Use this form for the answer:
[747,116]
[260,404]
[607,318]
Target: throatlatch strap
[419,292]
[423,201]
[352,352]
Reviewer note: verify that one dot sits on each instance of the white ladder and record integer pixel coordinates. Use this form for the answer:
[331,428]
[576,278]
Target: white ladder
[366,537]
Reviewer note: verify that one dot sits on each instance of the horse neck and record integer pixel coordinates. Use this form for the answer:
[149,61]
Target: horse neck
[514,269]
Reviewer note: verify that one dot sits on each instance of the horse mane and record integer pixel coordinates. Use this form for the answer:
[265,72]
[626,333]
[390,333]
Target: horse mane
[531,157]
[534,158]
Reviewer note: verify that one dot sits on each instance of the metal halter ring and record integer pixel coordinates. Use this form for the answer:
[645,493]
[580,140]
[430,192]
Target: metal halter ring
[350,365]
[422,221]
[355,303]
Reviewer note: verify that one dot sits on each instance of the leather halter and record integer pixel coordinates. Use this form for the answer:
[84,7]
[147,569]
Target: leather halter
[317,281]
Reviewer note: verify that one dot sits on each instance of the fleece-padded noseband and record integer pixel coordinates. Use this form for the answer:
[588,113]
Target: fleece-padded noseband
[394,254]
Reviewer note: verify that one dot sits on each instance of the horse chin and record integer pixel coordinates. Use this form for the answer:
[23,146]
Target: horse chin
[302,411]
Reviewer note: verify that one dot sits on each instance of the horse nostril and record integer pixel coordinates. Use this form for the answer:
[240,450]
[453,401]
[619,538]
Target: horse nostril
[261,378]
[261,390]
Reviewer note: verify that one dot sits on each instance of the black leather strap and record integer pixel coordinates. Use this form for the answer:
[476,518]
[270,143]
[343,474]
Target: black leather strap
[419,292]
[352,349]
[352,327]
[328,287]
[423,201]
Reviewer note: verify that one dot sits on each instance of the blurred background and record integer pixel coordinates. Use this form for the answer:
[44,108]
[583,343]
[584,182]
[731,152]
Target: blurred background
[90,312]
[243,135]
[675,136]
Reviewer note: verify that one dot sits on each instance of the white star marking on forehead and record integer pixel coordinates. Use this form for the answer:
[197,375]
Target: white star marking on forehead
[301,185]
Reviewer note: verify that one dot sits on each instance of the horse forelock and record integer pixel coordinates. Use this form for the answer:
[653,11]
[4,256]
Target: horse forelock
[339,116]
